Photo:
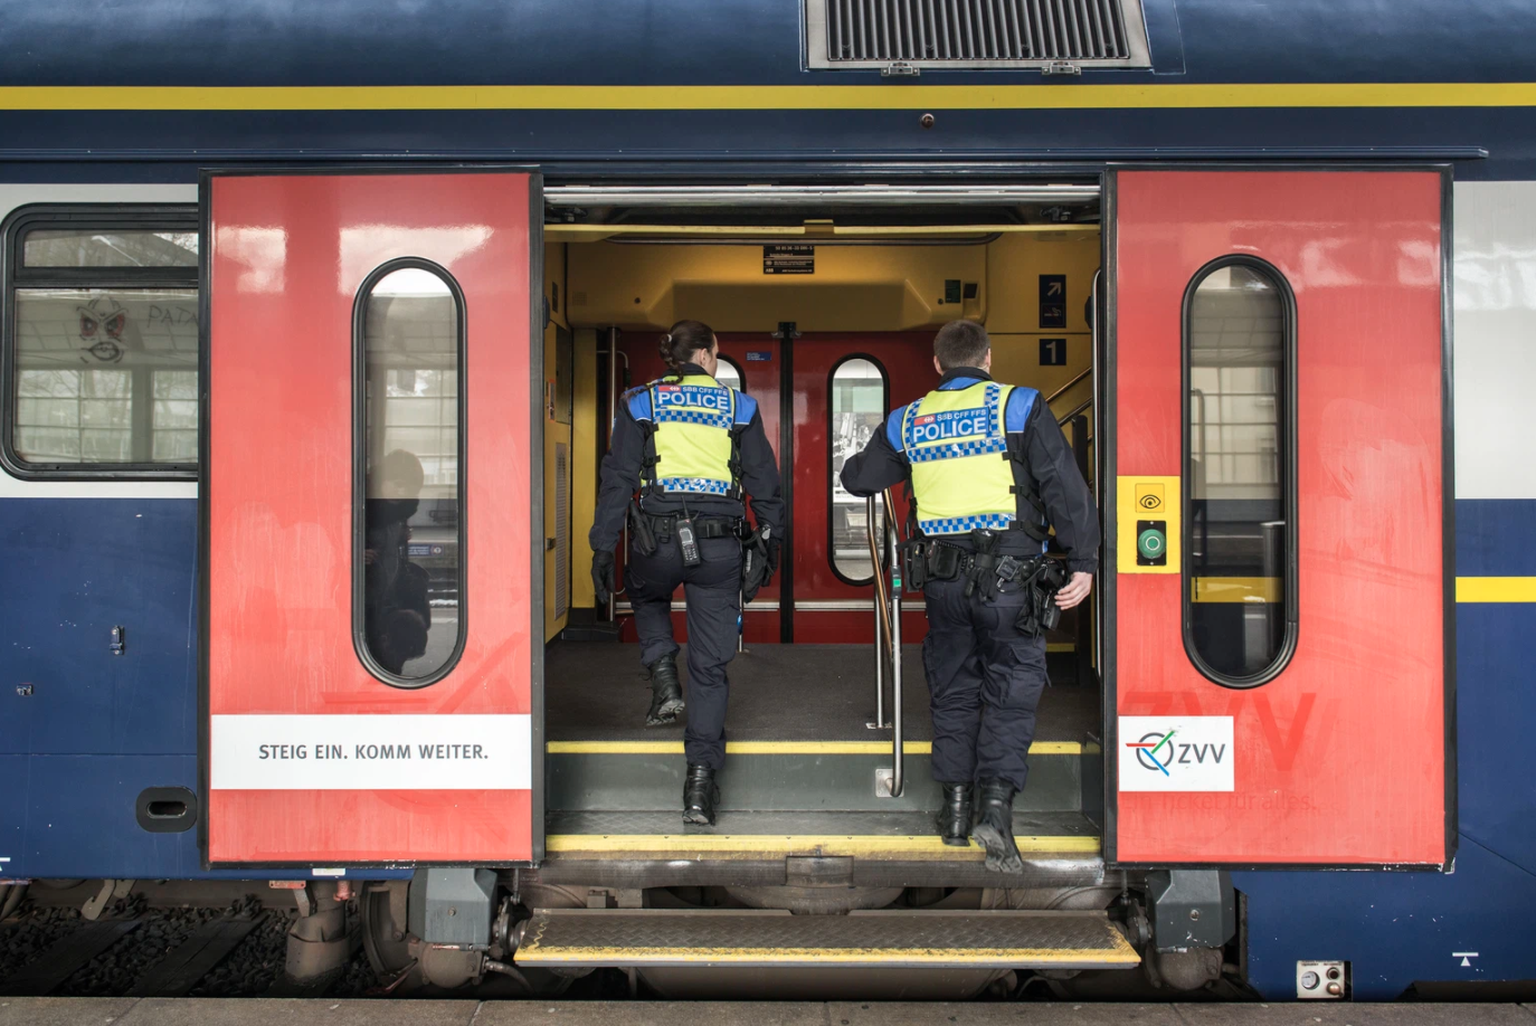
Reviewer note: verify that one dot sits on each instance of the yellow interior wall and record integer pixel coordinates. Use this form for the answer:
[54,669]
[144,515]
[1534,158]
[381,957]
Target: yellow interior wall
[1015,263]
[584,445]
[555,433]
[854,288]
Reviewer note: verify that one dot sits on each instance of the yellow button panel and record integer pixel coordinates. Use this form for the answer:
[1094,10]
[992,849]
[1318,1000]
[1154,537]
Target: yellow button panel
[1149,530]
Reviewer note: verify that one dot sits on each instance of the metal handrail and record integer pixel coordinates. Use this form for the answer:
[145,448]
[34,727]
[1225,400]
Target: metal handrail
[876,562]
[1079,408]
[882,627]
[1085,373]
[887,627]
[898,747]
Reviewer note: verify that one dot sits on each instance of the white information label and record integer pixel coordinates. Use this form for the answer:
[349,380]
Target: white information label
[370,753]
[1176,753]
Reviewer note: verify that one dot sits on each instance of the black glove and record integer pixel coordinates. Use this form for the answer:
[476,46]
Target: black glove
[602,576]
[759,559]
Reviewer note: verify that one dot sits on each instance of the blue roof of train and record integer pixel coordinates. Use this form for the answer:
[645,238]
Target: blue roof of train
[488,80]
[737,42]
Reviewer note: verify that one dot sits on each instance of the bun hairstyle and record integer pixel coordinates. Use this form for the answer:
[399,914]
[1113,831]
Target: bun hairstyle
[685,339]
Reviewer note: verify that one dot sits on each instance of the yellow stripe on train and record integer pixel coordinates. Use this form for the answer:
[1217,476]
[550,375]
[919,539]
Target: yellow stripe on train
[1001,96]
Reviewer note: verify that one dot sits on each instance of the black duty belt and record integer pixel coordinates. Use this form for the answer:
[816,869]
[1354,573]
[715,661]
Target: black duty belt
[704,527]
[929,559]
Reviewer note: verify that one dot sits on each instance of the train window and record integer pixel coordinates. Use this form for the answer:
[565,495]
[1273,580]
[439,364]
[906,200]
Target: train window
[1239,481]
[729,374]
[95,247]
[408,582]
[100,342]
[856,407]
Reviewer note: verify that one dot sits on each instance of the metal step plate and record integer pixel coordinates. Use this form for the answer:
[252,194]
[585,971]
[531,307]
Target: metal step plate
[763,776]
[904,837]
[891,939]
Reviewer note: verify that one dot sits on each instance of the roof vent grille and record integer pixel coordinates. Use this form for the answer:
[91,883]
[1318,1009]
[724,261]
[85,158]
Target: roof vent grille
[974,33]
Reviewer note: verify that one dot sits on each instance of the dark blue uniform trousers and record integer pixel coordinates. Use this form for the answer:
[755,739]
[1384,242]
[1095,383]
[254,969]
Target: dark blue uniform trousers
[713,593]
[985,679]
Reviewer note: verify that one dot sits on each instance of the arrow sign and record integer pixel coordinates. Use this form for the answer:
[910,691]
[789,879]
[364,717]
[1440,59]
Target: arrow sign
[1053,306]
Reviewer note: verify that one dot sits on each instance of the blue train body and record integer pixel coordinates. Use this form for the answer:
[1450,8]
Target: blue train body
[717,90]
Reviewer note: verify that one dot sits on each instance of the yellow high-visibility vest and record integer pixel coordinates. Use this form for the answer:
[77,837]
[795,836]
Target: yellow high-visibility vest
[694,421]
[962,472]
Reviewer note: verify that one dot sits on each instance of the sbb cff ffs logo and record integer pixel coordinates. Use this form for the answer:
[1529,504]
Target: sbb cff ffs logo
[1151,535]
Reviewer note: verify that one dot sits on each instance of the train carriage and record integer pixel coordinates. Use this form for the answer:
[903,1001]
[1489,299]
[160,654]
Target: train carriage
[298,304]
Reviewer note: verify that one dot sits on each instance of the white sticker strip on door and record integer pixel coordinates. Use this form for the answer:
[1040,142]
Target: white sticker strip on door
[1176,753]
[373,753]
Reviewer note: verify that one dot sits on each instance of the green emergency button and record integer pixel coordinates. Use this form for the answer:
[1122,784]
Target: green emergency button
[1151,544]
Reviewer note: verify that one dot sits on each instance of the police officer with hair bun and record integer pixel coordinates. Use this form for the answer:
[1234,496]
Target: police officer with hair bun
[990,476]
[693,450]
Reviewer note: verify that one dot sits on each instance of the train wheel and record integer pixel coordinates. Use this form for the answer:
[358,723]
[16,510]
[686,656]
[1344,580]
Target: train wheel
[382,913]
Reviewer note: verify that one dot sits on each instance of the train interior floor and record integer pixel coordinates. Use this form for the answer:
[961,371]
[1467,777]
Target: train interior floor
[597,691]
[803,769]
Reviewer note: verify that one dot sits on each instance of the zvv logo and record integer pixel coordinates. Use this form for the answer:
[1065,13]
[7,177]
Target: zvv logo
[1158,753]
[1194,753]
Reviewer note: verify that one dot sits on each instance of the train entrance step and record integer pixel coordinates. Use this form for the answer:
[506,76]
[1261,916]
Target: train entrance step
[742,836]
[767,776]
[577,938]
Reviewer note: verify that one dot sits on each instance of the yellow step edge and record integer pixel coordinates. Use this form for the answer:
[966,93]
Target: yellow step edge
[1120,954]
[741,846]
[779,748]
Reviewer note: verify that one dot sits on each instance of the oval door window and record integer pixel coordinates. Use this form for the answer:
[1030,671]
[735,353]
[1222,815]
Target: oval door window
[1239,513]
[409,574]
[729,374]
[856,410]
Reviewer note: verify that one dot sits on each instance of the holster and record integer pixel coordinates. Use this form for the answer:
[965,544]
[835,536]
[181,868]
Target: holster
[914,563]
[1041,613]
[928,559]
[642,537]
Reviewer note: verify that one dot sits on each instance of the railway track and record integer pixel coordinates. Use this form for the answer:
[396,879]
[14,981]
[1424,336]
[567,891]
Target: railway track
[136,949]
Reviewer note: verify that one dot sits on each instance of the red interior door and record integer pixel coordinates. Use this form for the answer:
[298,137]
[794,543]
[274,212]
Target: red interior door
[1276,492]
[845,386]
[754,359]
[313,757]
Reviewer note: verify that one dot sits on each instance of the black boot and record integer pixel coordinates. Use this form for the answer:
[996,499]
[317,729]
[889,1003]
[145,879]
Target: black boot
[954,819]
[994,827]
[700,793]
[666,692]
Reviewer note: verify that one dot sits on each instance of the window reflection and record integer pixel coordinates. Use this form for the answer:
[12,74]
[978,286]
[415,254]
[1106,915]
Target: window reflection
[729,375]
[857,410]
[105,375]
[412,569]
[1237,477]
[95,247]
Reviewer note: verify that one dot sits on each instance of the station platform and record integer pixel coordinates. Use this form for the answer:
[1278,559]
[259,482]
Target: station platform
[362,1012]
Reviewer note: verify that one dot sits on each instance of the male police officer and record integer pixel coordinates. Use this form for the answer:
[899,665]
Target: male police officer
[989,473]
[693,448]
